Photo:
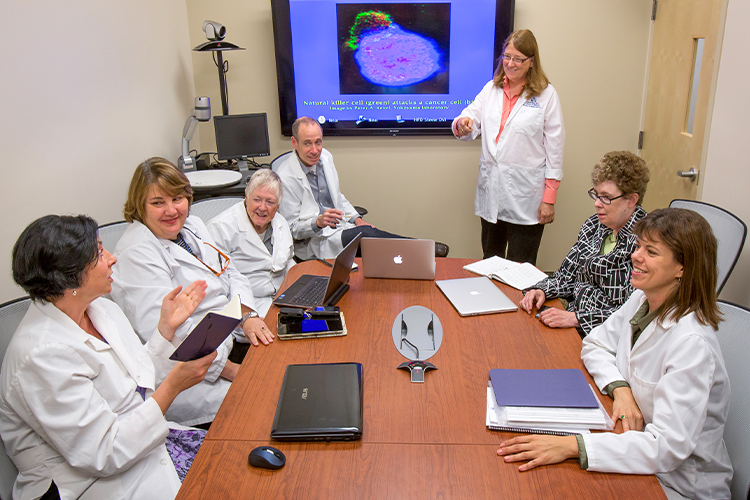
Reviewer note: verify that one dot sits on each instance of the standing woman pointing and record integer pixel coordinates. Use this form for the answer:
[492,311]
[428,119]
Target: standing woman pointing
[520,119]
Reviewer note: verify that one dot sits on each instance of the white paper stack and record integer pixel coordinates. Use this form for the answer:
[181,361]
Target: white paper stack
[558,421]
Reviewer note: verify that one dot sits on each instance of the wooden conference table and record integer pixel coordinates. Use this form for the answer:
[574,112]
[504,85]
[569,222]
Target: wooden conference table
[420,440]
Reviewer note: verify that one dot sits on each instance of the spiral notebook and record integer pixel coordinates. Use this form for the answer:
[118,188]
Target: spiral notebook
[497,420]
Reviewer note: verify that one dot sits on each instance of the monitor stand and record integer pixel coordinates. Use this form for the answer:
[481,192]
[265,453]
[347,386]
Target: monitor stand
[244,171]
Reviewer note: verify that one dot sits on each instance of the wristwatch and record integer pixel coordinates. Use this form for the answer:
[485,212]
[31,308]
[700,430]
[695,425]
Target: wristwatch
[251,314]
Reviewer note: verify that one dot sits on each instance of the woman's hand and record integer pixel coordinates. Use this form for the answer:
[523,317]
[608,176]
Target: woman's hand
[189,373]
[538,450]
[177,307]
[533,298]
[230,371]
[255,329]
[557,318]
[463,127]
[182,376]
[546,213]
[626,410]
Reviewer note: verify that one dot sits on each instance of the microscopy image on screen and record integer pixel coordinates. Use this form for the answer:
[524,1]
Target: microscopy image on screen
[394,48]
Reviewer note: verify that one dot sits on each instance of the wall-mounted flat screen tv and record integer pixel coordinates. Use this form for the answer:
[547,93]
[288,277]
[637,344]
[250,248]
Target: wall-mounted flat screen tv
[385,68]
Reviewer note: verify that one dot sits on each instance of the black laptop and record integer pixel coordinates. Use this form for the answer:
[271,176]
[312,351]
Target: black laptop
[320,402]
[310,290]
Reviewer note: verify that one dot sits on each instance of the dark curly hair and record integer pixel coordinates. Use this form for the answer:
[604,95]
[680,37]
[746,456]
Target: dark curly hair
[53,253]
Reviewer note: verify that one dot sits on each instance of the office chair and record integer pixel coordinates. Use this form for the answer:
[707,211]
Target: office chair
[111,234]
[730,234]
[362,211]
[734,338]
[209,208]
[11,314]
[279,160]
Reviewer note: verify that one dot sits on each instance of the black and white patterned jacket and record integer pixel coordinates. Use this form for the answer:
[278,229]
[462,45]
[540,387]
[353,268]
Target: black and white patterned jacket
[595,285]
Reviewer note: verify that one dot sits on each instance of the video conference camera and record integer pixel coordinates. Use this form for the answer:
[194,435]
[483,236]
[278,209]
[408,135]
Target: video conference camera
[214,30]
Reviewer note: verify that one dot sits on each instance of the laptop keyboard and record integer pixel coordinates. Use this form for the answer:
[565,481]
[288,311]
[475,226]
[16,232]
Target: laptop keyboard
[313,293]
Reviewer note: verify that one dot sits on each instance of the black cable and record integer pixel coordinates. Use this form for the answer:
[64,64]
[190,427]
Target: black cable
[225,70]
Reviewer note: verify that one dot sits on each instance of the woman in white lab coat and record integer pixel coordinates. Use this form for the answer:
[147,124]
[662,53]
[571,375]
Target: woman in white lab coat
[80,412]
[520,119]
[165,248]
[659,358]
[257,237]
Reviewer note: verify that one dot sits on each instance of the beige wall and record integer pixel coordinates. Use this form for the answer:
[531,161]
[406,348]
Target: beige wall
[89,89]
[594,53]
[96,88]
[725,181]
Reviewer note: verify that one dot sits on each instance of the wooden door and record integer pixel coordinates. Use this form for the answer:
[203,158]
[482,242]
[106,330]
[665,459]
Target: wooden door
[669,143]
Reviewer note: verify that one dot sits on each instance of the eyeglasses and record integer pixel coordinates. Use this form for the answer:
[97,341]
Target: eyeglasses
[517,60]
[604,199]
[223,260]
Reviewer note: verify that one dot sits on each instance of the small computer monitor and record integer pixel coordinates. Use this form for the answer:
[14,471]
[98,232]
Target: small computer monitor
[239,137]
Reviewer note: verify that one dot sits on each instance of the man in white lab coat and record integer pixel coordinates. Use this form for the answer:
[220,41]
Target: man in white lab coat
[321,219]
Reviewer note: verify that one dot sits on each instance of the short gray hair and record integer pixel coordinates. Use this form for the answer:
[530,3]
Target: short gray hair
[265,177]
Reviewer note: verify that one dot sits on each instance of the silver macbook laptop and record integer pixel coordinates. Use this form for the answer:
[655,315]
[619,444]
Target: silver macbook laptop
[398,258]
[473,296]
[320,402]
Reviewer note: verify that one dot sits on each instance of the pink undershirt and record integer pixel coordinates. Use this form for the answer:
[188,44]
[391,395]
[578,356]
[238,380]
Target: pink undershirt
[550,185]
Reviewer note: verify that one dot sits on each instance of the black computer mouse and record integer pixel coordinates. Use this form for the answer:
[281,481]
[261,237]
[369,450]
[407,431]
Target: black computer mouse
[266,457]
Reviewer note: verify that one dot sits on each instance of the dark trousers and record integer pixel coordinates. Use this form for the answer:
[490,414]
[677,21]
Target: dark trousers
[367,232]
[52,493]
[522,242]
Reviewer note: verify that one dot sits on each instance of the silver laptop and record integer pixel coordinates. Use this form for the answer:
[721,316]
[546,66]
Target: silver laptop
[474,296]
[398,258]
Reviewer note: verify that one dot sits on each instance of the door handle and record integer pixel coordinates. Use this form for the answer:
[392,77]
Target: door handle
[692,174]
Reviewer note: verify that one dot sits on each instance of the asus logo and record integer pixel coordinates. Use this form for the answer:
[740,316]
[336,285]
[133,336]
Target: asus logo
[304,393]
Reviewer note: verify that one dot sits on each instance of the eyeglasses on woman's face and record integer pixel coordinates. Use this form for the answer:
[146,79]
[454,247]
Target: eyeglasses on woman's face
[515,59]
[604,199]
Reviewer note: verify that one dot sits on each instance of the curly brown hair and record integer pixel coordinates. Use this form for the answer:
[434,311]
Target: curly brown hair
[627,170]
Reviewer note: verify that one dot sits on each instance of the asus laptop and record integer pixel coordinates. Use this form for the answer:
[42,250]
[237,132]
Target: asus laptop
[310,290]
[320,402]
[398,258]
[474,296]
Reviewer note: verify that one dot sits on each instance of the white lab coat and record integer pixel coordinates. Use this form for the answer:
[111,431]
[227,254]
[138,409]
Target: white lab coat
[147,269]
[677,375]
[512,172]
[69,410]
[234,233]
[299,208]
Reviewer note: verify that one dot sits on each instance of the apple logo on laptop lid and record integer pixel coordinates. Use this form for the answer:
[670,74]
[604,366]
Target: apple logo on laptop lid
[398,259]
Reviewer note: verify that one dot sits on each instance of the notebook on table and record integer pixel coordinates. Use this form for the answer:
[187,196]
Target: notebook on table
[474,296]
[543,398]
[398,258]
[310,290]
[320,402]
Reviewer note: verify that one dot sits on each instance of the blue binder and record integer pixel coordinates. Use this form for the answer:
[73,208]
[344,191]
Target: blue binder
[564,388]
